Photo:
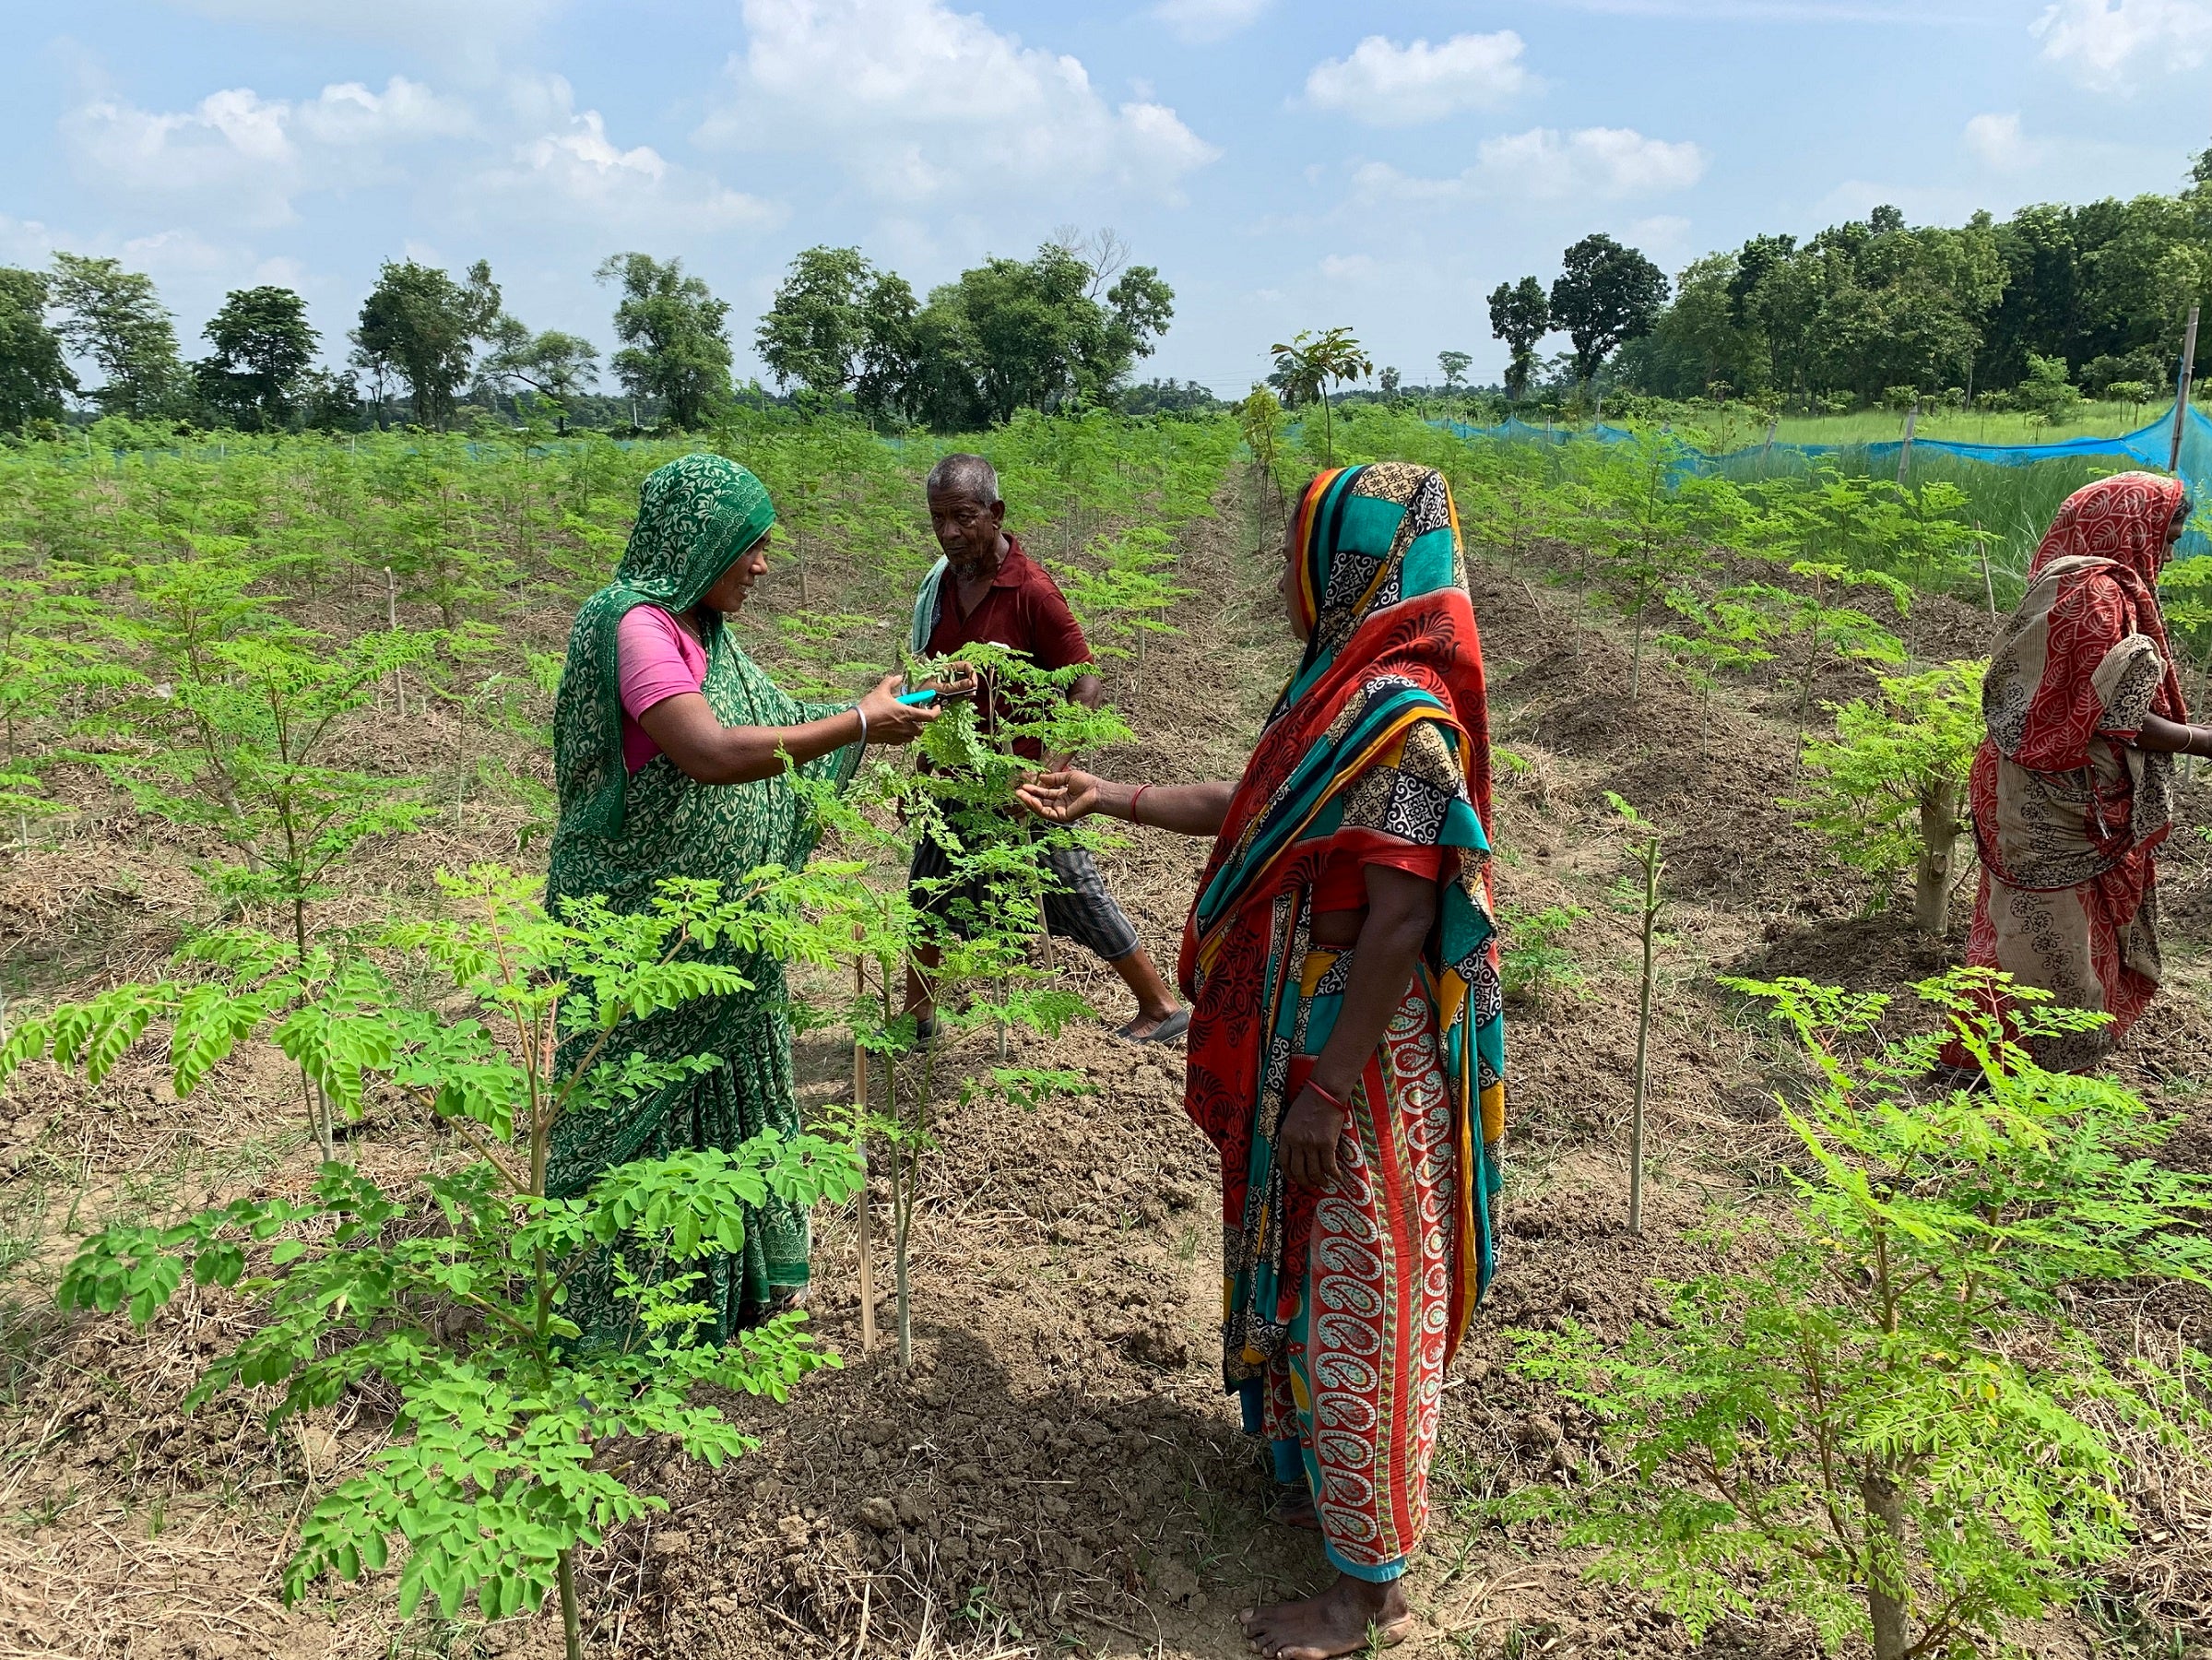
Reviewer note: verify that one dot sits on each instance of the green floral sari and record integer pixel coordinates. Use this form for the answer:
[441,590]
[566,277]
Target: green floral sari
[622,836]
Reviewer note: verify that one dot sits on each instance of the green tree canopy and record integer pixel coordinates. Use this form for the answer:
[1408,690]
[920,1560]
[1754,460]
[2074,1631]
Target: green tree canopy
[1605,295]
[33,374]
[816,329]
[674,335]
[263,347]
[421,326]
[553,365]
[1877,302]
[115,318]
[1521,314]
[1065,327]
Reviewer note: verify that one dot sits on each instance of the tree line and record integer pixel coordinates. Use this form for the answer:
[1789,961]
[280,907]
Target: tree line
[2031,311]
[1063,328]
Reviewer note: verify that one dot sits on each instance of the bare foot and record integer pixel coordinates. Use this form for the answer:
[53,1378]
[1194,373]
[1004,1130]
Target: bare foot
[1336,1622]
[1294,1508]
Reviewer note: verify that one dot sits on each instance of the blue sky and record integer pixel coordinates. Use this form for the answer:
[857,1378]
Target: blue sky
[1286,164]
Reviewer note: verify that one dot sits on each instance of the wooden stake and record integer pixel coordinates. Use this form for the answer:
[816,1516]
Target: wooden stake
[1904,455]
[1650,860]
[867,1267]
[392,622]
[1989,587]
[2181,395]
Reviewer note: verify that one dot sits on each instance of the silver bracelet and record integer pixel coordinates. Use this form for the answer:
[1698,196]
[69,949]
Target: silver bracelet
[863,714]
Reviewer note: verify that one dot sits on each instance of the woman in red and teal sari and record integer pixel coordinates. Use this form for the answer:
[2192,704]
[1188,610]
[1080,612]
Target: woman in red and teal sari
[1347,1036]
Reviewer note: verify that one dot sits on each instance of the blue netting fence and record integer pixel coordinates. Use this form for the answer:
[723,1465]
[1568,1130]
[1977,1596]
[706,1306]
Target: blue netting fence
[2073,461]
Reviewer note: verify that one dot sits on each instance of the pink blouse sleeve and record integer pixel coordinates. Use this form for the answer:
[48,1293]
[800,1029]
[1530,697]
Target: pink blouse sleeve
[658,659]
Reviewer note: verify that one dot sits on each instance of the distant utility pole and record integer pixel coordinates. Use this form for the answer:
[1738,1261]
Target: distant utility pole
[2181,396]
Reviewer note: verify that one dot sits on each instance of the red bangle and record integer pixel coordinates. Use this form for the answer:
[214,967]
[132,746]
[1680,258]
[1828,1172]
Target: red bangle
[1341,1106]
[1132,803]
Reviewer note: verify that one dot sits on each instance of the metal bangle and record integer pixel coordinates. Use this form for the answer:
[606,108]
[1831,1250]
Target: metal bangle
[863,714]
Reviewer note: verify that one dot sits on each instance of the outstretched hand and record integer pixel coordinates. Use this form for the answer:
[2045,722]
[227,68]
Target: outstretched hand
[1059,797]
[890,721]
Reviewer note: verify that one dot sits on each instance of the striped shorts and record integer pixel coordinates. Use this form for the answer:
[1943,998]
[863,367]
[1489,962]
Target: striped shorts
[1077,905]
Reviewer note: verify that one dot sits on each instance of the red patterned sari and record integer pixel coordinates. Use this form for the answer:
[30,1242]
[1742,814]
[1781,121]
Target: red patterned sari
[2066,809]
[1341,1310]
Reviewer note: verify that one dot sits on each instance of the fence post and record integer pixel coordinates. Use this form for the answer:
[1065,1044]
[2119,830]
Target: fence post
[1904,455]
[2180,393]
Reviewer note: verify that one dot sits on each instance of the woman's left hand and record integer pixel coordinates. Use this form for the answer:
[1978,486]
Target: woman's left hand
[1059,797]
[1306,1142]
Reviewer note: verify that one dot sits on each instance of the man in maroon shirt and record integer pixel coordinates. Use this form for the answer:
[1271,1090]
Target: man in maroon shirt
[991,591]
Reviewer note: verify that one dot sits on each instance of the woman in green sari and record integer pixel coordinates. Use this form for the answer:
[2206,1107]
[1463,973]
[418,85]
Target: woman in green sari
[669,750]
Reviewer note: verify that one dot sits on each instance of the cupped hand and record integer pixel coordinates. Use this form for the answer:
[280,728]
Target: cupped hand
[890,721]
[1306,1142]
[1059,797]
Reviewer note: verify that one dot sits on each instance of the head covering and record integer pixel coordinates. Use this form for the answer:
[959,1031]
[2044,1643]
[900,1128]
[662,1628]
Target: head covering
[2124,518]
[696,518]
[1382,732]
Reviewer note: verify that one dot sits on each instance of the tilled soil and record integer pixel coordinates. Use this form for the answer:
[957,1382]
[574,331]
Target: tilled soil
[1058,1470]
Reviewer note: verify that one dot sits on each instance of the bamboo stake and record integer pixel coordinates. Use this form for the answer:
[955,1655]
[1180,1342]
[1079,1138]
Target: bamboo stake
[867,1268]
[1648,858]
[1989,587]
[1904,455]
[392,622]
[2180,393]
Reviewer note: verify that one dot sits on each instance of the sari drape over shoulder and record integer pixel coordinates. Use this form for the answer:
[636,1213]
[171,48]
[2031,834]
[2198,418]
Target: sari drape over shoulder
[2066,809]
[622,836]
[1341,1310]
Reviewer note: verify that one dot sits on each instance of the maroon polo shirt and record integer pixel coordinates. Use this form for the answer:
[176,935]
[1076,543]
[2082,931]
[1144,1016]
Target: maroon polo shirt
[1024,610]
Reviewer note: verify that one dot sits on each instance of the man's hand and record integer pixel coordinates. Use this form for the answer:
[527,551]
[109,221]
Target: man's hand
[1059,797]
[1307,1143]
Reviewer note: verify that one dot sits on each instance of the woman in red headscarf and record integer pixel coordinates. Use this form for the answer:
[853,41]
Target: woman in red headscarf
[2071,789]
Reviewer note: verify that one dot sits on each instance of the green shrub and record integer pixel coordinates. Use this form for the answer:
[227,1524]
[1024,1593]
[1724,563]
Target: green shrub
[1888,794]
[1889,1424]
[448,1290]
[1533,962]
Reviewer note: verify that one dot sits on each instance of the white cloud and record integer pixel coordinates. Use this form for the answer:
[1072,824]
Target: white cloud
[1389,85]
[244,157]
[1999,142]
[575,169]
[2109,44]
[1543,164]
[1197,22]
[26,242]
[917,100]
[1348,268]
